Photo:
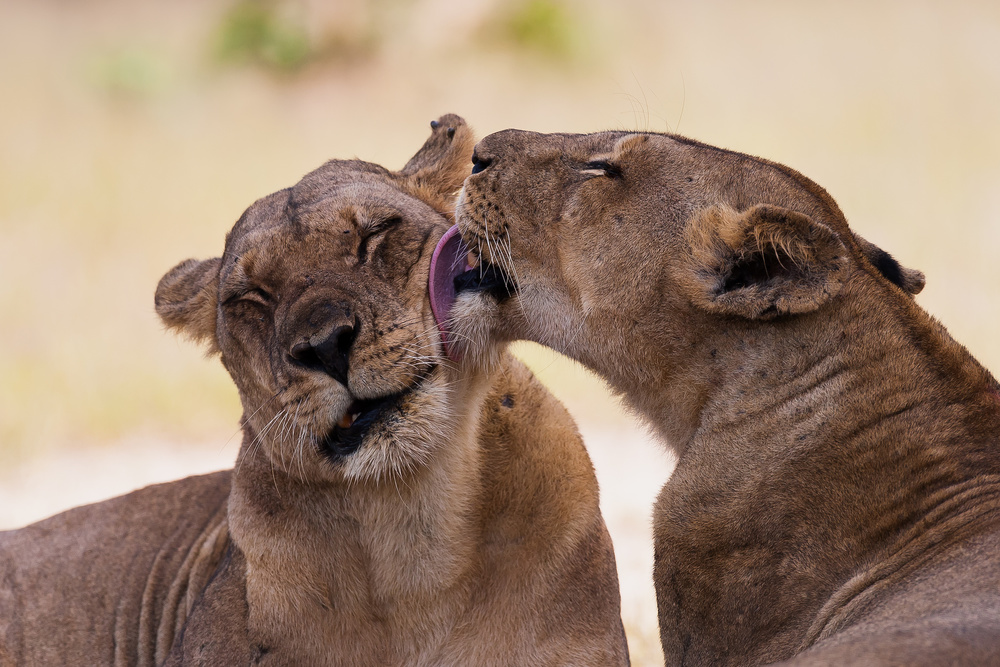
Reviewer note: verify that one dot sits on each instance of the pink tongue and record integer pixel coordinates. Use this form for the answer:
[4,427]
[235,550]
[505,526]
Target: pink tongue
[448,261]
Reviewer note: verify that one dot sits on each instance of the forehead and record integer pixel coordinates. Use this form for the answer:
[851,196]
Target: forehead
[340,195]
[522,144]
[528,144]
[354,204]
[330,180]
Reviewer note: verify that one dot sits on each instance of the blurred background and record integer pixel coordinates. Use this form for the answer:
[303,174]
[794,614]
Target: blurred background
[134,133]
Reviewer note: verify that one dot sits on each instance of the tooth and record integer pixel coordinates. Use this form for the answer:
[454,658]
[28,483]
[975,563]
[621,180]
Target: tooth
[346,421]
[472,260]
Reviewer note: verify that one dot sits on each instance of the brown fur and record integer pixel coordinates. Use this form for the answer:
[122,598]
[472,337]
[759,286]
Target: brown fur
[837,489]
[460,526]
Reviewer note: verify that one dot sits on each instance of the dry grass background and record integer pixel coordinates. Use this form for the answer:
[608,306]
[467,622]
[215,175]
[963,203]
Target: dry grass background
[133,134]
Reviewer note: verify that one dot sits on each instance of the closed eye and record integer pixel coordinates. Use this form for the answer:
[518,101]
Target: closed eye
[256,295]
[375,233]
[602,168]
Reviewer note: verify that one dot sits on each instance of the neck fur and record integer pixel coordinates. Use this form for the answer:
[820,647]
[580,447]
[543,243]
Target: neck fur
[809,448]
[385,563]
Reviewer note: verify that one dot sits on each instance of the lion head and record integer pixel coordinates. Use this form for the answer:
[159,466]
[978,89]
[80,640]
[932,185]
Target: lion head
[583,234]
[785,362]
[319,310]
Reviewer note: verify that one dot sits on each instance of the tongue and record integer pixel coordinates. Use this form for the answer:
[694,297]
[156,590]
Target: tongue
[448,261]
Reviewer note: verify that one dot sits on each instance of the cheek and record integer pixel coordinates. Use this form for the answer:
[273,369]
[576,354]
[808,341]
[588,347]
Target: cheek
[249,376]
[549,310]
[247,347]
[246,322]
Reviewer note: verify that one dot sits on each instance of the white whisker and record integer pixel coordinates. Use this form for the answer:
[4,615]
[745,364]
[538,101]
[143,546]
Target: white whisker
[513,271]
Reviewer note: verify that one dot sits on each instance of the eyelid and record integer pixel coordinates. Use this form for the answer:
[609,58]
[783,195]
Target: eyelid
[381,225]
[603,168]
[255,294]
[375,229]
[258,294]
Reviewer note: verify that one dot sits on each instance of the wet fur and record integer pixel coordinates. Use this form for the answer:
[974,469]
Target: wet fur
[836,497]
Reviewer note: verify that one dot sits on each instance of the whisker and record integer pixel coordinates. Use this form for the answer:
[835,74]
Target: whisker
[247,419]
[258,439]
[510,267]
[583,323]
[298,444]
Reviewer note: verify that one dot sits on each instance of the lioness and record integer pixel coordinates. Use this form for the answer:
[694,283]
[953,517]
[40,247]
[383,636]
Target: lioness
[837,494]
[385,508]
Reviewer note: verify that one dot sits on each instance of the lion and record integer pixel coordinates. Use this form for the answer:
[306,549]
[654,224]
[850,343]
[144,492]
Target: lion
[386,507]
[836,498]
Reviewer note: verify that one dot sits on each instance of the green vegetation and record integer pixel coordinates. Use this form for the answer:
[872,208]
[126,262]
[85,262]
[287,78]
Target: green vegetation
[545,27]
[129,72]
[258,32]
[282,36]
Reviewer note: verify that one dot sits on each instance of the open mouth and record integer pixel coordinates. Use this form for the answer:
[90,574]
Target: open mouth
[455,269]
[488,278]
[349,432]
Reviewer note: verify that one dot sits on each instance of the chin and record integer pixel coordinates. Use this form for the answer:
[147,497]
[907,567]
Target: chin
[477,329]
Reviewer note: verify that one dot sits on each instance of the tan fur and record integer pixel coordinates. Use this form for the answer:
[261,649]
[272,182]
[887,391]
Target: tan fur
[837,493]
[462,526]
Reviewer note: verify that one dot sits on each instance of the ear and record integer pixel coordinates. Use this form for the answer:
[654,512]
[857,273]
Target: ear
[763,262]
[910,281]
[435,174]
[187,297]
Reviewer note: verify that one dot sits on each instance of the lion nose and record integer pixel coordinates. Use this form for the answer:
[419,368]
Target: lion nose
[329,354]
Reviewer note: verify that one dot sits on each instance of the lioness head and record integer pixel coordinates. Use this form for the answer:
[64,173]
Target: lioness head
[319,310]
[584,238]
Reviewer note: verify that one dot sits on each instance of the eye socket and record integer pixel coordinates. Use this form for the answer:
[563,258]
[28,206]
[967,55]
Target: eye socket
[391,221]
[479,165]
[374,233]
[260,295]
[257,295]
[609,169]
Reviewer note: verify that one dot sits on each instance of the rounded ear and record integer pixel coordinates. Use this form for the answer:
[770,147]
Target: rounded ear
[910,281]
[187,297]
[763,262]
[435,174]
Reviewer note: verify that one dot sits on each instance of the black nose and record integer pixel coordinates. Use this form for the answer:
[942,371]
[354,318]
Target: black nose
[478,164]
[330,354]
